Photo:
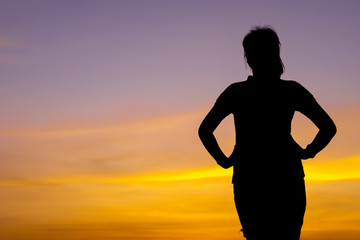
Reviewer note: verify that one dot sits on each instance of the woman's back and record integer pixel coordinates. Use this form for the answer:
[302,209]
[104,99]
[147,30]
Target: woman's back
[263,111]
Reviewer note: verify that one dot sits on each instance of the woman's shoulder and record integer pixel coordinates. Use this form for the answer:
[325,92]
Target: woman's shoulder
[290,83]
[236,86]
[296,88]
[294,85]
[234,89]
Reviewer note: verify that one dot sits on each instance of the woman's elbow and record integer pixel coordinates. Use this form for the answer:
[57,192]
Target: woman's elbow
[202,131]
[333,129]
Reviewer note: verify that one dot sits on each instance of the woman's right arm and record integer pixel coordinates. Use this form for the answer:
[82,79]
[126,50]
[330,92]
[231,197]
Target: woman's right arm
[327,129]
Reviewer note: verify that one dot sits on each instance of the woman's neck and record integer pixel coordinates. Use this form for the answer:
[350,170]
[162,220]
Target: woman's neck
[265,76]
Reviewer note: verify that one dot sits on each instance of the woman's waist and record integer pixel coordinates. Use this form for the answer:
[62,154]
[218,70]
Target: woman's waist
[259,145]
[267,169]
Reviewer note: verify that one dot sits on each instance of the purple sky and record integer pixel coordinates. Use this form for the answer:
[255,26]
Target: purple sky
[78,60]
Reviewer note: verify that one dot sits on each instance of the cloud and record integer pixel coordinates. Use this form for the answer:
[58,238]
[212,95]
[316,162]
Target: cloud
[140,146]
[150,145]
[336,170]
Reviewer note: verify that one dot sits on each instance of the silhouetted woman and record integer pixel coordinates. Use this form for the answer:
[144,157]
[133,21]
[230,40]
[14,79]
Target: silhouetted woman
[268,176]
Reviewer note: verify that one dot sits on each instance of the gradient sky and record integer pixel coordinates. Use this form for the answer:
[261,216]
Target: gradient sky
[101,101]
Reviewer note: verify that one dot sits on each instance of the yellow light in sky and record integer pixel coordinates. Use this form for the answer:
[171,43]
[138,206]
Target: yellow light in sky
[342,169]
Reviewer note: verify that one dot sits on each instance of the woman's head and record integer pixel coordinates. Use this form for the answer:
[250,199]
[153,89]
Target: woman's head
[262,51]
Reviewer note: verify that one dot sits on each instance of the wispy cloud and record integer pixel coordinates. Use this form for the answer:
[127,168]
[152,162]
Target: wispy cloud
[137,146]
[336,170]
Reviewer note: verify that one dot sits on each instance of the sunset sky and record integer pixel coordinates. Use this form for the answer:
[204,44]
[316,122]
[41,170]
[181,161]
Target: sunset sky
[100,103]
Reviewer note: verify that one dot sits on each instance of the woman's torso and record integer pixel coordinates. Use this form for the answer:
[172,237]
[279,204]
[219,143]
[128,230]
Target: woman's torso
[263,112]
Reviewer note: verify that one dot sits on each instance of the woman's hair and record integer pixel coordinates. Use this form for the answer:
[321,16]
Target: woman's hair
[262,50]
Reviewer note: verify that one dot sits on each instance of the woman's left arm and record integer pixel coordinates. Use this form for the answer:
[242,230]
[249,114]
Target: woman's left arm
[206,134]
